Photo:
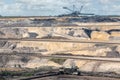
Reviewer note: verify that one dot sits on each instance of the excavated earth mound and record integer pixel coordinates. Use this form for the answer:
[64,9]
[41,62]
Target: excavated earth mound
[24,61]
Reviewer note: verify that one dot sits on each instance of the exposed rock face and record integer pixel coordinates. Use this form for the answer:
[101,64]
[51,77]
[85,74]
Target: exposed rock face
[86,65]
[69,33]
[25,62]
[92,51]
[81,33]
[113,54]
[70,63]
[74,33]
[12,61]
[115,34]
[93,66]
[37,62]
[54,47]
[2,43]
[118,49]
[113,67]
[7,45]
[29,49]
[13,33]
[40,31]
[98,35]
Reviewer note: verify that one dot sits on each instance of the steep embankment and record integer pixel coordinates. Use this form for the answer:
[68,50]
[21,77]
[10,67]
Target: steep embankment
[61,48]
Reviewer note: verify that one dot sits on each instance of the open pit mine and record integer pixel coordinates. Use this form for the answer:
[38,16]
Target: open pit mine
[31,46]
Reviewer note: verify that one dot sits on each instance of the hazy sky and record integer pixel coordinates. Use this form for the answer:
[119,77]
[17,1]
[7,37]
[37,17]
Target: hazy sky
[54,7]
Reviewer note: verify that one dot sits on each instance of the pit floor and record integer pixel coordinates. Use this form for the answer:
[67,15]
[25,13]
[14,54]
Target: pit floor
[72,77]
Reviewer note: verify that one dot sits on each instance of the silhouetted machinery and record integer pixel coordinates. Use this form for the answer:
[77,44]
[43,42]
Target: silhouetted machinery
[75,12]
[69,71]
